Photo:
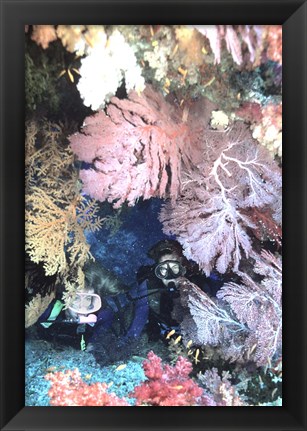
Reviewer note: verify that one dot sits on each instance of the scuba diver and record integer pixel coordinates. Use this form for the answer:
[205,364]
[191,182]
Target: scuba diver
[161,280]
[106,317]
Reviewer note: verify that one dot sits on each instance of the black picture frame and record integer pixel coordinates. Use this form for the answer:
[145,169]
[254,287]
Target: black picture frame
[14,15]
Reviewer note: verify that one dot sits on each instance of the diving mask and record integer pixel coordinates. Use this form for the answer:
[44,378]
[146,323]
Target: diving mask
[169,270]
[85,303]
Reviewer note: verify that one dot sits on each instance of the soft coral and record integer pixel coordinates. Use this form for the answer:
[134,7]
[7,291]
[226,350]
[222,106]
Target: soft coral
[68,389]
[167,385]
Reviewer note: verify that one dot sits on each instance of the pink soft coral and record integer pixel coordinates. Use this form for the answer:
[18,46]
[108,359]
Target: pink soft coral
[167,385]
[68,389]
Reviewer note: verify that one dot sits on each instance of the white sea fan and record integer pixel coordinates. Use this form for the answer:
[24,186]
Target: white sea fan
[105,67]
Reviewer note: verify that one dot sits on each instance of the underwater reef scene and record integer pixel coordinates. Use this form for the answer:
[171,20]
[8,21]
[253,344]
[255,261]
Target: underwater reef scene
[153,211]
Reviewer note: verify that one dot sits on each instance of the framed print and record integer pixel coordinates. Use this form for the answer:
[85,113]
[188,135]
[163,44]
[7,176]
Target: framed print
[145,195]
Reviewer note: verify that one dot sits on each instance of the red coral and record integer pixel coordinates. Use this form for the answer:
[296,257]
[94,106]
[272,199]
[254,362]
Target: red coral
[167,385]
[68,389]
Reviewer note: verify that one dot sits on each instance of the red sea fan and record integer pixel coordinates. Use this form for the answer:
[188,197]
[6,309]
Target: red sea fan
[68,389]
[167,385]
[136,149]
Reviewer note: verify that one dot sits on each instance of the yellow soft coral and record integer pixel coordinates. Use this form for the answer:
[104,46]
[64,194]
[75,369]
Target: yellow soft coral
[36,307]
[56,213]
[54,228]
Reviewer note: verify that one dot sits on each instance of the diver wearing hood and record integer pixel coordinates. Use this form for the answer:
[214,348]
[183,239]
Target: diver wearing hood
[104,317]
[169,265]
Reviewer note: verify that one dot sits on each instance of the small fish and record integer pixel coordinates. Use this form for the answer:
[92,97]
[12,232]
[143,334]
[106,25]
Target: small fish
[209,82]
[253,348]
[71,76]
[167,82]
[121,367]
[196,356]
[110,384]
[189,344]
[88,376]
[62,73]
[190,352]
[51,369]
[172,332]
[177,339]
[76,71]
[274,392]
[177,387]
[182,71]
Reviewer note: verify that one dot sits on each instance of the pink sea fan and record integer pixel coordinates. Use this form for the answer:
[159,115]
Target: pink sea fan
[258,305]
[244,322]
[136,149]
[235,174]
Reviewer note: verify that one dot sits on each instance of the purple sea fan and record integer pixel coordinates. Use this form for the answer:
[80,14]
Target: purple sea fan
[258,306]
[244,322]
[235,173]
[206,321]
